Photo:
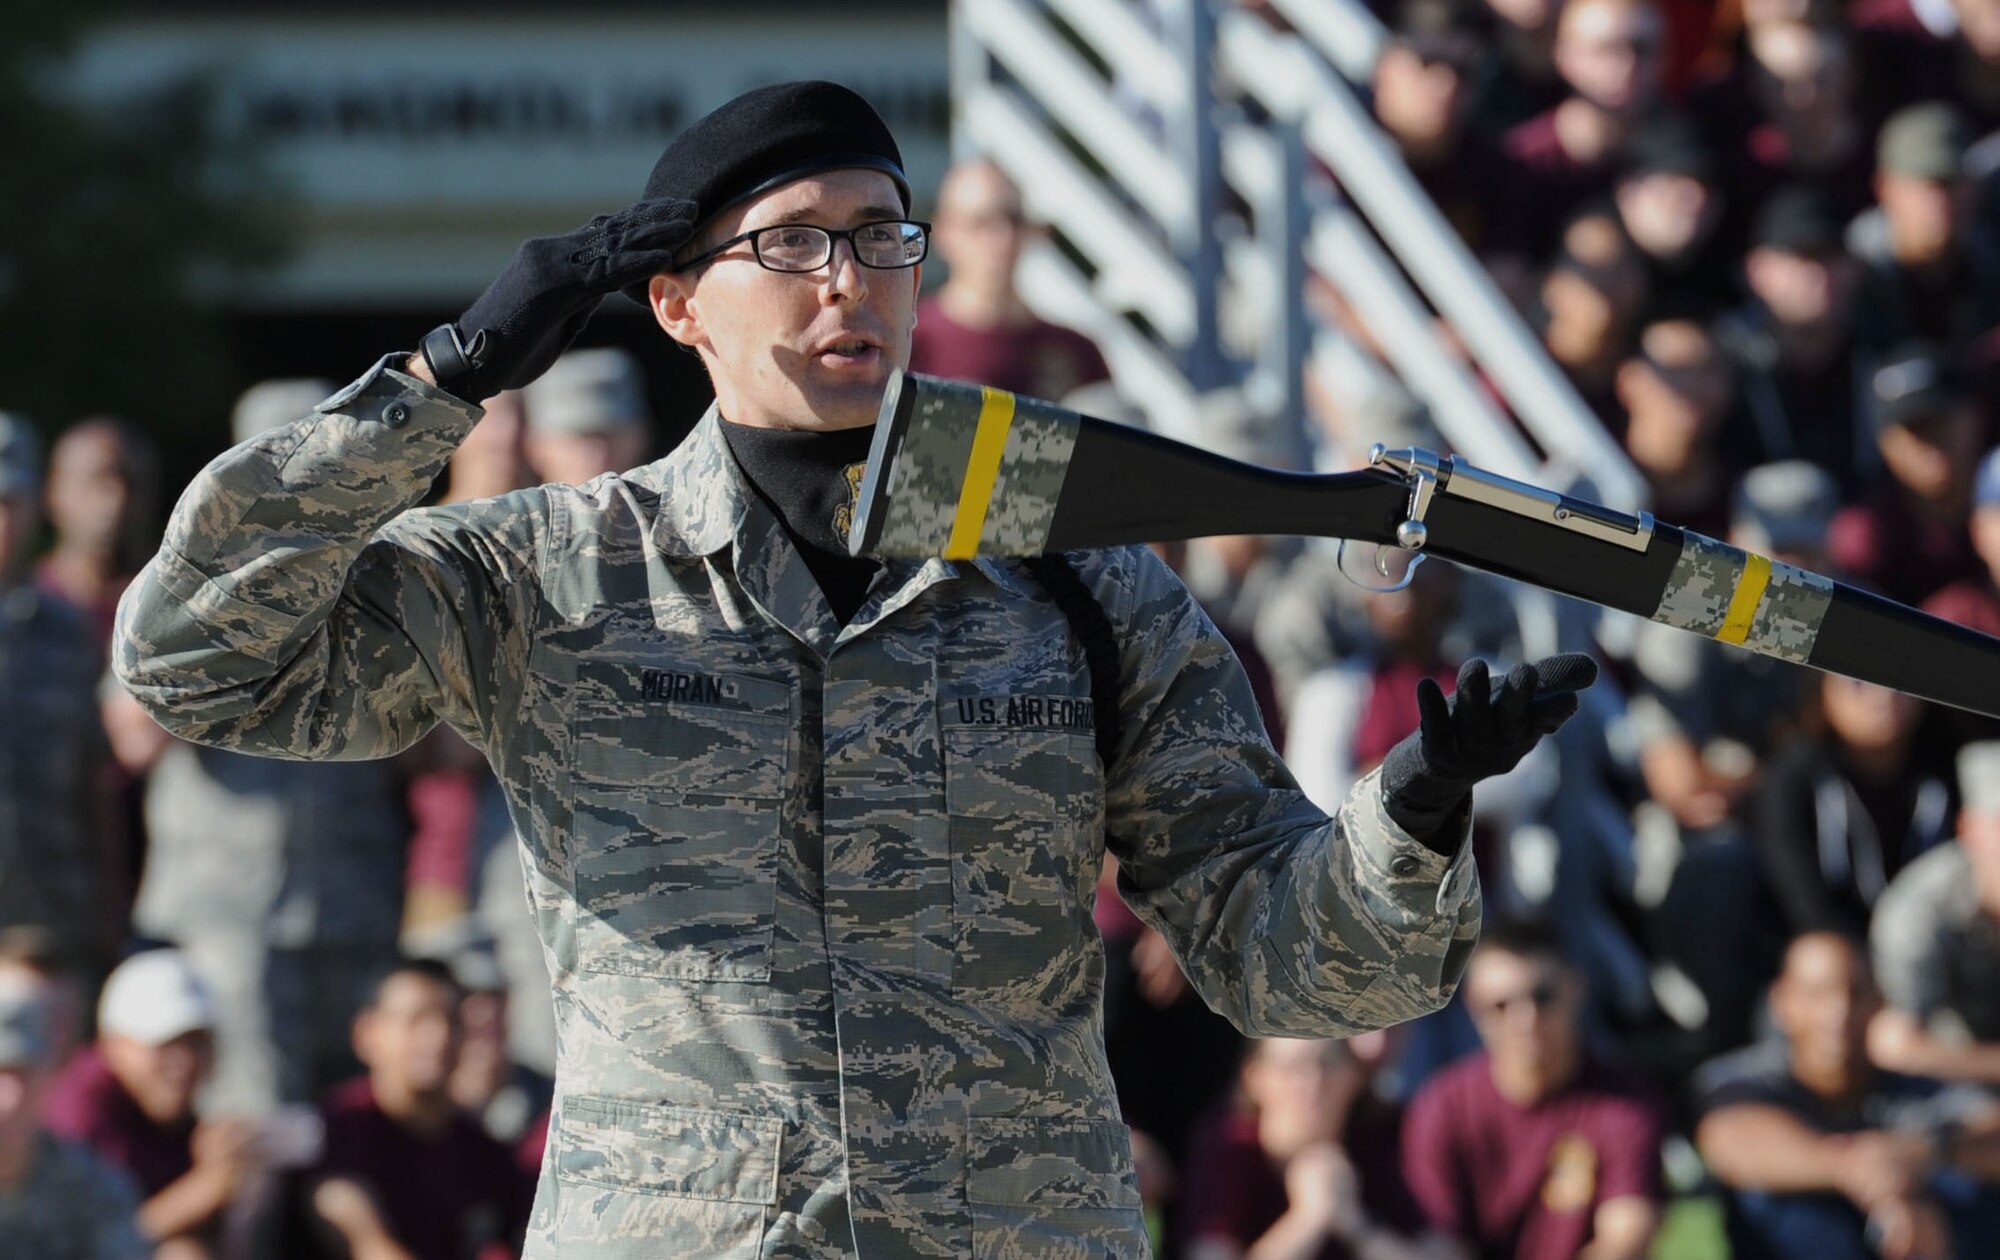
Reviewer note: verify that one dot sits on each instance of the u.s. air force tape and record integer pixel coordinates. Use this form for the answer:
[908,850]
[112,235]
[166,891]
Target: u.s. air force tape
[979,470]
[1743,598]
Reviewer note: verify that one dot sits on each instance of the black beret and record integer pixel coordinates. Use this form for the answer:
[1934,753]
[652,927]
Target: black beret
[1670,146]
[772,136]
[1451,31]
[1917,381]
[1799,219]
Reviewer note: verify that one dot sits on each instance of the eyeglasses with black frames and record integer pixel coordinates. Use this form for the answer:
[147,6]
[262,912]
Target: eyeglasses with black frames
[885,245]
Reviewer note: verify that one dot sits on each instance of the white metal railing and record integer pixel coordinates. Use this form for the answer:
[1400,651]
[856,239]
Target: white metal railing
[1146,374]
[1048,69]
[1134,270]
[1135,51]
[1106,114]
[1288,78]
[1341,246]
[1348,35]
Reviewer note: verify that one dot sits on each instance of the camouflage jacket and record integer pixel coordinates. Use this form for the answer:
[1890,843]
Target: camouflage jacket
[815,899]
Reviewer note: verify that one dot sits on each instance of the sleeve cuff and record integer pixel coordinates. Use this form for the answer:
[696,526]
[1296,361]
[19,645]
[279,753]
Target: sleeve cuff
[389,396]
[1449,836]
[1411,867]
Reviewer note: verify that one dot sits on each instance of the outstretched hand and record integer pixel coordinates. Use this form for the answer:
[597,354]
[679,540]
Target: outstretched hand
[1482,730]
[536,307]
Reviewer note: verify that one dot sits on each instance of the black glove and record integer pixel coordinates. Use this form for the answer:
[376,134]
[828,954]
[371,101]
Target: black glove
[1481,731]
[537,306]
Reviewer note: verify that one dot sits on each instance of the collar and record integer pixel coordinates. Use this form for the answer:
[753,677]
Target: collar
[703,496]
[707,506]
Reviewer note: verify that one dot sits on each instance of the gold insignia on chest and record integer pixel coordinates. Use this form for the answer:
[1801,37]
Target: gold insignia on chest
[1570,1184]
[843,516]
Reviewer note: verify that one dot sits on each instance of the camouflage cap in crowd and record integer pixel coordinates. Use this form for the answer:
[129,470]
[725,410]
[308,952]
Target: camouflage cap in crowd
[1916,382]
[1925,141]
[587,391]
[1785,506]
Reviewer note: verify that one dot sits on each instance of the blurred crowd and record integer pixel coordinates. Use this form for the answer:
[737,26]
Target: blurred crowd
[1743,942]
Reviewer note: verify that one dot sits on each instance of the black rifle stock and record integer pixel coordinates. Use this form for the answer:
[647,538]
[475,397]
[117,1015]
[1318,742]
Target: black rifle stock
[961,470]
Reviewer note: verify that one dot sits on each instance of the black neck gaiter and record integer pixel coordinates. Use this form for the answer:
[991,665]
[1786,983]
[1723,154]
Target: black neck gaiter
[810,481]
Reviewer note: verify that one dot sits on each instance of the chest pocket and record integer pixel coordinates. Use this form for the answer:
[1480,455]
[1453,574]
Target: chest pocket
[678,803]
[1024,795]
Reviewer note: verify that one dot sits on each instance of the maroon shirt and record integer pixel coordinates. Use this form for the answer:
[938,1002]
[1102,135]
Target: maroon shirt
[1041,360]
[1525,1183]
[1233,1191]
[457,1196]
[87,1105]
[532,1145]
[444,811]
[1543,186]
[1971,602]
[1882,542]
[1390,711]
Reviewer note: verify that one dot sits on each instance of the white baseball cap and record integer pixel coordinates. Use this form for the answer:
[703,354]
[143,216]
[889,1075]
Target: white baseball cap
[1979,776]
[155,997]
[268,404]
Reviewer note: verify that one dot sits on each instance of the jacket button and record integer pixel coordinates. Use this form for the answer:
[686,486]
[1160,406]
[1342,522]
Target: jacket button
[1404,865]
[396,415]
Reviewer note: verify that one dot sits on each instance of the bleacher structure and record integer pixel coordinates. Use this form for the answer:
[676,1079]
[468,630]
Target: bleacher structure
[1177,149]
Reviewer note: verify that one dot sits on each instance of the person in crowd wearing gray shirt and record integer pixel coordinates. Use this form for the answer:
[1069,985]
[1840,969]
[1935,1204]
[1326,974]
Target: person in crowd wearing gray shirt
[1936,941]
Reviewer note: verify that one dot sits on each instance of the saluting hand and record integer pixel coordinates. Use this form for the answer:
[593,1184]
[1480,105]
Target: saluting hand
[531,313]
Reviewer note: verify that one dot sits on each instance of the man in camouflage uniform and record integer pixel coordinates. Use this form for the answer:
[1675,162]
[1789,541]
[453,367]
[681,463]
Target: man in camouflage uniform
[60,865]
[811,841]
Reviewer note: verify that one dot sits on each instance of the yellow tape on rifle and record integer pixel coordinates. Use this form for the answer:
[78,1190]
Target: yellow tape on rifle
[1743,604]
[982,470]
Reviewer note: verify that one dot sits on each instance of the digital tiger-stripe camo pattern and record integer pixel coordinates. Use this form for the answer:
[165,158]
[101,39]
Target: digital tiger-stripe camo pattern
[816,900]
